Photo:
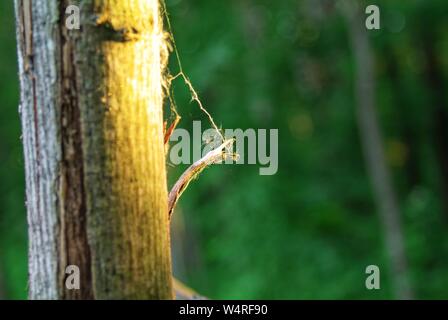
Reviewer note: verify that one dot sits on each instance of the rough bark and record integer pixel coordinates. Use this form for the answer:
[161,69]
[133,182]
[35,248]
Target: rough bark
[374,151]
[91,112]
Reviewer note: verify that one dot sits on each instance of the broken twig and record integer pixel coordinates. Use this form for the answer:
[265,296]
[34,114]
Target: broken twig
[214,156]
[168,132]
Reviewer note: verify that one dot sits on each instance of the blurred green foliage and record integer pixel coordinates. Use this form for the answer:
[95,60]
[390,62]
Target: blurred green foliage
[13,247]
[309,231]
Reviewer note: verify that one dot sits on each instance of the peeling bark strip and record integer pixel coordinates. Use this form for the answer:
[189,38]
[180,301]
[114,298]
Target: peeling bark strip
[41,146]
[91,111]
[73,243]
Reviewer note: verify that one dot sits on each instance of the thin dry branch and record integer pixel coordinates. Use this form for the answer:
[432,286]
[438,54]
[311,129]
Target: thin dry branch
[215,156]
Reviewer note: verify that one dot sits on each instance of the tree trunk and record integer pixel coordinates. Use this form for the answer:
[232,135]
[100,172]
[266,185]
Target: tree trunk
[91,112]
[374,151]
[439,108]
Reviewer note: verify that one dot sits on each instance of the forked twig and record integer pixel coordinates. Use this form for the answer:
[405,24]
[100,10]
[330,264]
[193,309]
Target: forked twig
[214,156]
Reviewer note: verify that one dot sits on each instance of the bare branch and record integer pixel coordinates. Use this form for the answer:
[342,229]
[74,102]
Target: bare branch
[215,156]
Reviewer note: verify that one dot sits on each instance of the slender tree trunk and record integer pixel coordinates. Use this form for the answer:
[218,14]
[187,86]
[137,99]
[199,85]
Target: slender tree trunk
[439,108]
[91,111]
[407,127]
[374,151]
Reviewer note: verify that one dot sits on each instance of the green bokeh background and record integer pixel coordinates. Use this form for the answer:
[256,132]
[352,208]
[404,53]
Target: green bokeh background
[309,231]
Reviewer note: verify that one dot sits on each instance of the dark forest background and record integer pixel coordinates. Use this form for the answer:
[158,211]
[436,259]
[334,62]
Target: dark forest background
[309,231]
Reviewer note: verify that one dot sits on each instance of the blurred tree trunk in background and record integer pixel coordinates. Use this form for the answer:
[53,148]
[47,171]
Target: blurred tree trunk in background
[374,151]
[435,79]
[91,112]
[409,135]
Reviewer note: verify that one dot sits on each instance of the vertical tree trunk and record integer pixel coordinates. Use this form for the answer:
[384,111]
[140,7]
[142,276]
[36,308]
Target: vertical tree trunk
[91,111]
[404,115]
[374,151]
[439,108]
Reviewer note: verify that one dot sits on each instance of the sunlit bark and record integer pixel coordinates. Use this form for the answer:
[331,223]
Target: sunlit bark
[91,110]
